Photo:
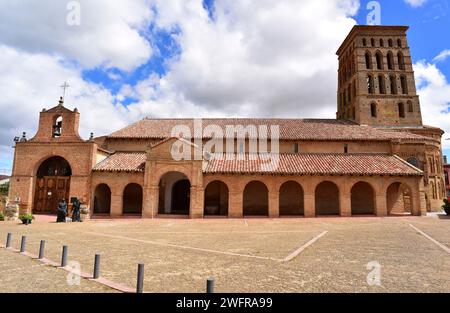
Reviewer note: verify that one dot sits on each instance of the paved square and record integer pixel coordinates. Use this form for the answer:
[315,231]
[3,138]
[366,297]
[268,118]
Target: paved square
[251,255]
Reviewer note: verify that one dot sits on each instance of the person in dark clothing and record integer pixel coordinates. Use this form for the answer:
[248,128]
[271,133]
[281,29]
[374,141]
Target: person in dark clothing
[76,210]
[62,211]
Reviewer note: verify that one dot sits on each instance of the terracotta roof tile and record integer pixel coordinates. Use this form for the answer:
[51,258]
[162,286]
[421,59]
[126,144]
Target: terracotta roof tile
[122,162]
[290,129]
[311,164]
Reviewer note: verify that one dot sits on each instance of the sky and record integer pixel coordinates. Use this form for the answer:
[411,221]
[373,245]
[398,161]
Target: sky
[125,60]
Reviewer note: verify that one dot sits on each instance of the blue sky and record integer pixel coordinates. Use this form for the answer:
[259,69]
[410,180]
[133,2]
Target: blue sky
[173,58]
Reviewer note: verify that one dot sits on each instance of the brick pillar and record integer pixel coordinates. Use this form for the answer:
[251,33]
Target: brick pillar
[148,199]
[197,199]
[345,204]
[310,205]
[274,204]
[116,205]
[381,206]
[235,206]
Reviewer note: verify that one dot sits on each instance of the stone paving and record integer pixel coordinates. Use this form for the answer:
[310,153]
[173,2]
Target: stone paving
[242,255]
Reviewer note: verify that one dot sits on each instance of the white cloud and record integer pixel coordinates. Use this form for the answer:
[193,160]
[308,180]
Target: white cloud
[108,35]
[434,91]
[30,82]
[415,3]
[257,58]
[442,56]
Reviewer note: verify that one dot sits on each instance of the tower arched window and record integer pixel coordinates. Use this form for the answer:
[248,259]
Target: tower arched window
[410,107]
[370,86]
[373,109]
[401,110]
[401,61]
[393,82]
[57,126]
[390,60]
[399,43]
[382,84]
[379,58]
[372,42]
[381,43]
[368,60]
[364,42]
[404,85]
[390,43]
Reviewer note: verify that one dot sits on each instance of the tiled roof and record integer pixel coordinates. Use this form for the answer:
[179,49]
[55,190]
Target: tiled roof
[122,162]
[290,129]
[311,164]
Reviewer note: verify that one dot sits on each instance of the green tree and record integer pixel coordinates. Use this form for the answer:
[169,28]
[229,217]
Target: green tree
[4,189]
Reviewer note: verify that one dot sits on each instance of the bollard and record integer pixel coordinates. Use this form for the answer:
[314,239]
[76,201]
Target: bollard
[8,240]
[64,257]
[97,266]
[140,279]
[41,249]
[210,285]
[22,244]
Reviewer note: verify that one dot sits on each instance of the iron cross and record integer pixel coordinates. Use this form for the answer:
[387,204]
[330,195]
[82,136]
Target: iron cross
[64,87]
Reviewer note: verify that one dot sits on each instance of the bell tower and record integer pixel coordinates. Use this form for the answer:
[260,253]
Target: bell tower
[58,124]
[376,84]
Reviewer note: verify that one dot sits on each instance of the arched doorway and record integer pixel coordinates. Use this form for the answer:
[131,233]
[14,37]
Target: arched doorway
[52,184]
[327,199]
[291,199]
[216,199]
[132,199]
[256,199]
[174,194]
[399,199]
[102,199]
[363,199]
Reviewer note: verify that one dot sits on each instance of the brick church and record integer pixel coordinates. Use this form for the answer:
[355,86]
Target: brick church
[376,158]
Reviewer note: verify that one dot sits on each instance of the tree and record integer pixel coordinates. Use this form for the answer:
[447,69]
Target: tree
[4,189]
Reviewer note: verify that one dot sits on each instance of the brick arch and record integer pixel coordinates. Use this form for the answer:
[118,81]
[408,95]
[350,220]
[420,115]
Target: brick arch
[256,198]
[216,198]
[101,199]
[399,197]
[327,197]
[41,160]
[291,198]
[173,168]
[363,196]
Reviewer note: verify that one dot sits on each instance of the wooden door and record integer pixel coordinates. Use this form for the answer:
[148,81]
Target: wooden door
[49,191]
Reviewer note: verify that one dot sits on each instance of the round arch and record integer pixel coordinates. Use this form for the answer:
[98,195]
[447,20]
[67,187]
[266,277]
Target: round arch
[291,199]
[102,199]
[216,199]
[362,199]
[52,184]
[174,193]
[132,199]
[399,200]
[327,198]
[256,199]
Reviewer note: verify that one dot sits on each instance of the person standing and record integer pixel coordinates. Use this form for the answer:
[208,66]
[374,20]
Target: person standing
[62,211]
[76,210]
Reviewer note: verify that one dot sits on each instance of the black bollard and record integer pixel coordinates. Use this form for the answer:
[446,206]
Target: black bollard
[64,257]
[97,266]
[210,285]
[41,250]
[140,279]
[8,240]
[22,244]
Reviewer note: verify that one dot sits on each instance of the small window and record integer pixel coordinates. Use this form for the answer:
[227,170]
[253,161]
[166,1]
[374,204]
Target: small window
[382,84]
[393,82]
[413,161]
[404,84]
[401,110]
[381,43]
[346,148]
[368,60]
[372,42]
[390,43]
[370,87]
[379,58]
[373,110]
[390,60]
[364,41]
[296,147]
[401,61]
[399,43]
